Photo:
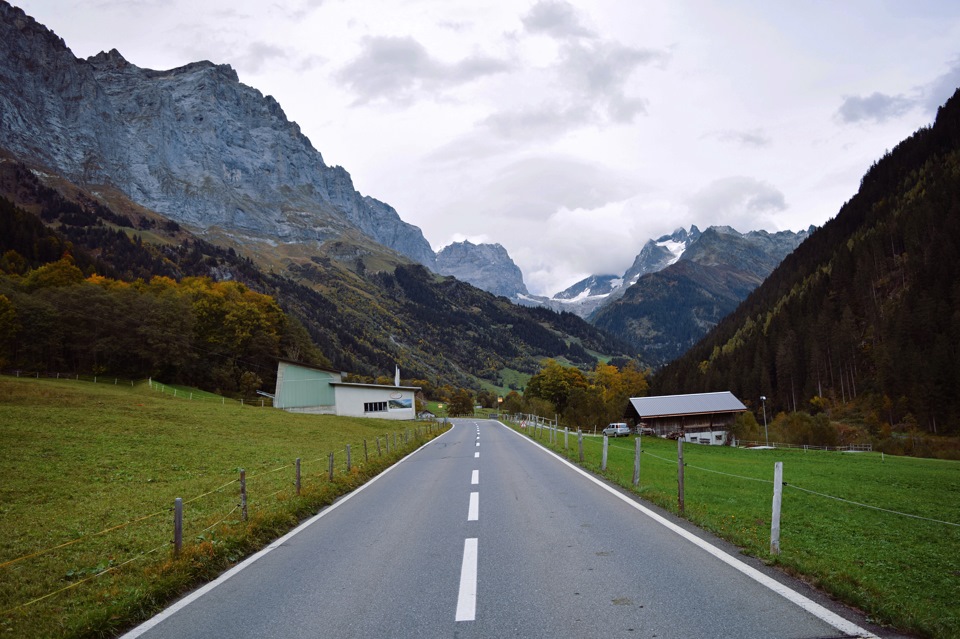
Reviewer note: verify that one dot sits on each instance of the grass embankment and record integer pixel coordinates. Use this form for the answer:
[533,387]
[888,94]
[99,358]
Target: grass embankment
[902,571]
[82,460]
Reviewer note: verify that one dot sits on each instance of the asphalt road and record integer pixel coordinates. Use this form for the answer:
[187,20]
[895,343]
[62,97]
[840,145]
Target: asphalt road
[482,533]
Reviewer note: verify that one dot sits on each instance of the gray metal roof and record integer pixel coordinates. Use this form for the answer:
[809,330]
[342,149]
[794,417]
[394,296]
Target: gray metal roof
[696,404]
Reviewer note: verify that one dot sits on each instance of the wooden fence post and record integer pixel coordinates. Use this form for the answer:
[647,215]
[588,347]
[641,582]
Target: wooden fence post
[580,443]
[243,494]
[775,519]
[636,461]
[331,467]
[603,458]
[680,474]
[379,453]
[366,457]
[298,476]
[348,458]
[177,526]
[566,437]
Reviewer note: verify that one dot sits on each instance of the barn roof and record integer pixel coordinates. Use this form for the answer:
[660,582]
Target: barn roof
[696,404]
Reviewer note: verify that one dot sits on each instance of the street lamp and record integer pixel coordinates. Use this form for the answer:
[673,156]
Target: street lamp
[763,399]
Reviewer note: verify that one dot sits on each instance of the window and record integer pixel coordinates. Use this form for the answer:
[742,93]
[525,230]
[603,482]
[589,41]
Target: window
[374,407]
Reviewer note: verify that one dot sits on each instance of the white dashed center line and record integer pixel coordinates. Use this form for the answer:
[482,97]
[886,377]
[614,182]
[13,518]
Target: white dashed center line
[473,512]
[475,477]
[467,599]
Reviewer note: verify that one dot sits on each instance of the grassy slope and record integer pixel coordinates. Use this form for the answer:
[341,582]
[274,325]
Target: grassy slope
[902,571]
[81,458]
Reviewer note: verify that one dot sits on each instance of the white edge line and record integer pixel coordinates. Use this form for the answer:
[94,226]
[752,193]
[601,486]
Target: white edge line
[467,597]
[246,563]
[828,616]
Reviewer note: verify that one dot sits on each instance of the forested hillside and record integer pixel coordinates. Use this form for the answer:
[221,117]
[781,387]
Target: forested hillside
[866,312]
[363,320]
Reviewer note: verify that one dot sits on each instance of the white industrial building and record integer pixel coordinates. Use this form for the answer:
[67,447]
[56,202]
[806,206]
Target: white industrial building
[308,389]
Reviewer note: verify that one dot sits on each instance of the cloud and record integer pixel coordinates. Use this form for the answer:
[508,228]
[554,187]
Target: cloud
[535,188]
[592,78]
[744,203]
[544,122]
[591,240]
[876,107]
[752,138]
[942,88]
[880,107]
[252,58]
[555,18]
[399,68]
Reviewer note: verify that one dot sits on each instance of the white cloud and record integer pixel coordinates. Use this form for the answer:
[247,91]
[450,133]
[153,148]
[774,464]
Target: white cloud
[556,18]
[877,107]
[401,69]
[755,138]
[744,203]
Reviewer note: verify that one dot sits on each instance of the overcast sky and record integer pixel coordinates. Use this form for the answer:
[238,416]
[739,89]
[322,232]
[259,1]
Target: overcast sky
[569,131]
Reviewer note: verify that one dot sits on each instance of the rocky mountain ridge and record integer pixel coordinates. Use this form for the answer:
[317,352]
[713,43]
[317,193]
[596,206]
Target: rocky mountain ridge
[192,143]
[486,266]
[665,312]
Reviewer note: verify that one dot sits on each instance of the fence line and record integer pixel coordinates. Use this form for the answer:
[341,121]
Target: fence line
[404,439]
[850,448]
[812,492]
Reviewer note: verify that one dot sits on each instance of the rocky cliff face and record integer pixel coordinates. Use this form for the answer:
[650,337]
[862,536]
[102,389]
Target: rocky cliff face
[486,266]
[192,143]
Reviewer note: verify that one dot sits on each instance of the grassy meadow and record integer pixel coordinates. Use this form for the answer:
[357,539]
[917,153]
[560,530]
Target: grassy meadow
[89,474]
[902,571]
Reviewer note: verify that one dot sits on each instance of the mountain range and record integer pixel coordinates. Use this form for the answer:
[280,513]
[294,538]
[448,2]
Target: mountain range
[198,147]
[189,172]
[677,289]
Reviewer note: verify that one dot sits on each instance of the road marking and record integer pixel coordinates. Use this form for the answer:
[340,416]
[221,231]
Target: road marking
[476,454]
[473,512]
[467,599]
[478,443]
[843,625]
[475,477]
[196,594]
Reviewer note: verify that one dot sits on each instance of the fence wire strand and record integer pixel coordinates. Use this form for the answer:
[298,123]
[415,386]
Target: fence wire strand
[857,503]
[82,581]
[79,539]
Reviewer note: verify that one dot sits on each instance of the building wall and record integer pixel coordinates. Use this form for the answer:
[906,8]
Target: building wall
[694,427]
[356,401]
[299,387]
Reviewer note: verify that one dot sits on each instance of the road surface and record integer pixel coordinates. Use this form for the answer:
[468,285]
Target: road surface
[482,533]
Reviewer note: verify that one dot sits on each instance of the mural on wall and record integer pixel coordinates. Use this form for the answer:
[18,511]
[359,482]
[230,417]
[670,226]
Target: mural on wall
[401,404]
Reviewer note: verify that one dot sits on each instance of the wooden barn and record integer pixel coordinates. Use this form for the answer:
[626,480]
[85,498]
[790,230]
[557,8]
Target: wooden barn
[701,418]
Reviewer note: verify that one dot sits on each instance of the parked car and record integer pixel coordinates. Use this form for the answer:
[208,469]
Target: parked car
[617,430]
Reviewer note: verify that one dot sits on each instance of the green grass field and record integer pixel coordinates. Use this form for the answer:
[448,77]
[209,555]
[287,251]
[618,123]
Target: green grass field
[902,571]
[88,478]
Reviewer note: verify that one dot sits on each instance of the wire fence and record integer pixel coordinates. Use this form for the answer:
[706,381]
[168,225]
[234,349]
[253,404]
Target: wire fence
[221,510]
[549,425]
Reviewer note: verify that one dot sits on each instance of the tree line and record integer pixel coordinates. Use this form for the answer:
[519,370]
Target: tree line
[219,336]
